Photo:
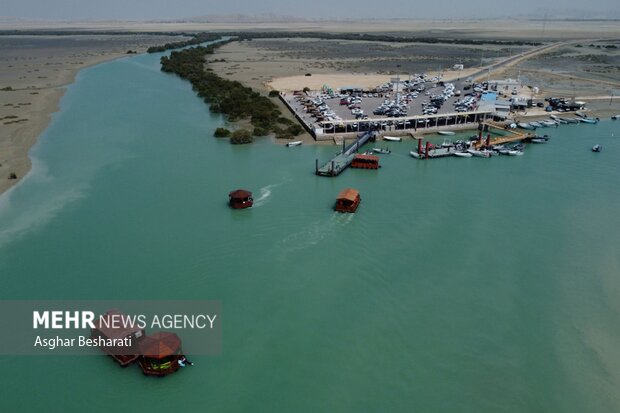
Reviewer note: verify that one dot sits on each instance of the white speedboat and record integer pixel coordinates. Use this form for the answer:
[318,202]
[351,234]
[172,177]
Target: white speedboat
[597,148]
[415,154]
[615,117]
[549,123]
[515,153]
[463,154]
[571,120]
[446,132]
[540,140]
[525,125]
[392,138]
[479,154]
[294,143]
[554,117]
[384,151]
[589,120]
[536,125]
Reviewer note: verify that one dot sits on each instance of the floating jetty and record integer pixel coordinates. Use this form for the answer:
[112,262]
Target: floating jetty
[342,160]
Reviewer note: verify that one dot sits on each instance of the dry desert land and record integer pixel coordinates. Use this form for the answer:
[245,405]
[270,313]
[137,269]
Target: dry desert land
[35,69]
[33,73]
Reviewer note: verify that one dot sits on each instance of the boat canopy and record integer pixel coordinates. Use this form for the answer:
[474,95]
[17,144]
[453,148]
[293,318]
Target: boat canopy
[348,194]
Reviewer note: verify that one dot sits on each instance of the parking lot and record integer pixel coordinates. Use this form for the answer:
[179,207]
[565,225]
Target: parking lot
[357,110]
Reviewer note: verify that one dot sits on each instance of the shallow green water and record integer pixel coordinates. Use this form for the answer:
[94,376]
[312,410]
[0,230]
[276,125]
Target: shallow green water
[469,285]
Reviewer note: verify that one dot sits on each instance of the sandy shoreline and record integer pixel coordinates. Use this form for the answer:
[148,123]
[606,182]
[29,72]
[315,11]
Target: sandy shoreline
[34,74]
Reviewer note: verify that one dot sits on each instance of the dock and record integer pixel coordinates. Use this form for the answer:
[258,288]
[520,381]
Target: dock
[341,161]
[513,136]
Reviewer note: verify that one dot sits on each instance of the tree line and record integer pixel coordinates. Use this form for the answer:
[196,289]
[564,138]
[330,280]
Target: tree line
[196,39]
[228,97]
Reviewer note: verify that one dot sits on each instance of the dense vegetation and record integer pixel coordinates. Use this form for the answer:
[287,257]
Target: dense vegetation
[196,39]
[241,136]
[229,97]
[374,38]
[221,133]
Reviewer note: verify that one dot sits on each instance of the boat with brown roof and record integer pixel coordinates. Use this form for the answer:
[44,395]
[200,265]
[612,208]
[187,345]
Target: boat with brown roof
[240,199]
[114,326]
[348,200]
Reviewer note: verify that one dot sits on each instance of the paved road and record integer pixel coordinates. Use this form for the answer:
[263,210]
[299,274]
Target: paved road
[518,58]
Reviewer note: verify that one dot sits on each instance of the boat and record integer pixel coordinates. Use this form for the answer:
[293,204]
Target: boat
[240,199]
[549,123]
[446,133]
[536,124]
[570,120]
[562,121]
[540,140]
[515,153]
[392,138]
[525,125]
[615,117]
[347,200]
[589,120]
[106,331]
[554,117]
[416,155]
[581,114]
[597,148]
[480,154]
[463,154]
[294,143]
[365,161]
[161,354]
[384,151]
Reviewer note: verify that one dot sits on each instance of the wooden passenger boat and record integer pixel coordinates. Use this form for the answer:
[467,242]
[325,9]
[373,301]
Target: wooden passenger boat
[240,199]
[348,200]
[365,161]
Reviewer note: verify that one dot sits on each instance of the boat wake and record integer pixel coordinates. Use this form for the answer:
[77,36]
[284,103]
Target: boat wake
[265,194]
[312,234]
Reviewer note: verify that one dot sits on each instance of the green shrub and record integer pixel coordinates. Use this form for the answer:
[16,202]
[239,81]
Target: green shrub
[295,129]
[258,131]
[241,136]
[221,133]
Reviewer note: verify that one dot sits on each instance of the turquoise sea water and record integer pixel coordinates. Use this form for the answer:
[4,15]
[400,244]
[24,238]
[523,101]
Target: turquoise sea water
[461,285]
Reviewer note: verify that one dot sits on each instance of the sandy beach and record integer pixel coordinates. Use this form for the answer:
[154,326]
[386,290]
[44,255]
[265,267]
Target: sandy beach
[33,73]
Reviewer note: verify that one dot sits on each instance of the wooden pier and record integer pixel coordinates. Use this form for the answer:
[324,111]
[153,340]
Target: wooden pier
[341,161]
[513,136]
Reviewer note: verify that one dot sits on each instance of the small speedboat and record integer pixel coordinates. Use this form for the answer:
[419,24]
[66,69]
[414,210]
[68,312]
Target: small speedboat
[515,153]
[445,132]
[525,125]
[384,151]
[562,121]
[392,138]
[549,123]
[571,120]
[480,154]
[415,154]
[615,117]
[294,143]
[463,154]
[540,140]
[597,148]
[589,120]
[536,124]
[554,117]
